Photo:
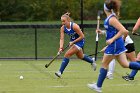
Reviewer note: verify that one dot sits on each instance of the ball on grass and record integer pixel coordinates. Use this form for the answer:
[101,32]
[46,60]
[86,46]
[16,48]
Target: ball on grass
[21,77]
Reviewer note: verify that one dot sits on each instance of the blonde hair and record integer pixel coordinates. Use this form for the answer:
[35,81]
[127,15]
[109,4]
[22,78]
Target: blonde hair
[67,15]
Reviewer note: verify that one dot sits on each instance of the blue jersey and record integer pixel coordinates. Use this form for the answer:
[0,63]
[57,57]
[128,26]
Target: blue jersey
[73,35]
[117,47]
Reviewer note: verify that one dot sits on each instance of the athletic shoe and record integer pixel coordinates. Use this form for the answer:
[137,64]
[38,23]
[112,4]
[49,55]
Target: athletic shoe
[94,65]
[94,87]
[109,75]
[58,74]
[127,78]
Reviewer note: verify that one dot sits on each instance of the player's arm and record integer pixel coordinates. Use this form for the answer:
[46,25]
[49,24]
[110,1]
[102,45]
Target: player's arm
[121,29]
[77,29]
[138,57]
[61,42]
[101,32]
[136,27]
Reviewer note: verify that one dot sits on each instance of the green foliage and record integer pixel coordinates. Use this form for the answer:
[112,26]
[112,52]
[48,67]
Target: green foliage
[44,10]
[130,9]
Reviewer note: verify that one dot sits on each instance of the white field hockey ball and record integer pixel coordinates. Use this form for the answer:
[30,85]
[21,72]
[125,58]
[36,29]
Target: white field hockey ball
[21,77]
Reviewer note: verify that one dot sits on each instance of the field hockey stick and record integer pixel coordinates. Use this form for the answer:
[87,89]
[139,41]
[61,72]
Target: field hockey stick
[101,51]
[94,53]
[97,35]
[137,34]
[47,65]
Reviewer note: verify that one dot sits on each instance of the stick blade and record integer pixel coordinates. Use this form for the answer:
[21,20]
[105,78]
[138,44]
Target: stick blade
[46,65]
[137,34]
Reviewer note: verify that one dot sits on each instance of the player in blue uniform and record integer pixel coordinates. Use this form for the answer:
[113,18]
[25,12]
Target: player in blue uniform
[76,43]
[130,53]
[115,43]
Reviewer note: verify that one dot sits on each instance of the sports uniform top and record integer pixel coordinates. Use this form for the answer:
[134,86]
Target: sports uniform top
[117,47]
[128,40]
[73,35]
[129,44]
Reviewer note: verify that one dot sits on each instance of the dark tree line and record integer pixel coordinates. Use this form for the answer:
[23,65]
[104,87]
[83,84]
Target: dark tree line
[44,10]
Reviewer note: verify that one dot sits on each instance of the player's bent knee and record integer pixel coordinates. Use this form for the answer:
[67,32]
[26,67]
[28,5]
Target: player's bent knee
[125,65]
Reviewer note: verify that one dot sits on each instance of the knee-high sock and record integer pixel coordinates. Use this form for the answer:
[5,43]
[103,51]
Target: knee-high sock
[87,59]
[133,73]
[134,65]
[111,67]
[101,77]
[64,64]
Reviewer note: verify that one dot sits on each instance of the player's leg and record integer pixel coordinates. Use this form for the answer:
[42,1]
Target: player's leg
[138,57]
[132,57]
[86,58]
[103,72]
[134,72]
[124,63]
[65,61]
[111,69]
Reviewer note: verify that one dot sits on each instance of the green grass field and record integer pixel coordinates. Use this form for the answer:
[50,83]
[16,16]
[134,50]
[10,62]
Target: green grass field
[38,79]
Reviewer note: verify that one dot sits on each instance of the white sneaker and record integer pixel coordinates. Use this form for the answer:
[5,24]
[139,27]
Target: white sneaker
[109,75]
[94,87]
[58,74]
[94,65]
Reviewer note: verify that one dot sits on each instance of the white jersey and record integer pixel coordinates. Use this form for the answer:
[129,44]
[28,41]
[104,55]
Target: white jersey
[128,40]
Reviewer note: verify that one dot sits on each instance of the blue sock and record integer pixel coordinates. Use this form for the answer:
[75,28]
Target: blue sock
[64,64]
[102,76]
[134,65]
[87,59]
[133,73]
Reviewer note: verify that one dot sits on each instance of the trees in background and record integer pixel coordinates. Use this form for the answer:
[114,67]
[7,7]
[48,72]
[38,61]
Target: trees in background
[44,10]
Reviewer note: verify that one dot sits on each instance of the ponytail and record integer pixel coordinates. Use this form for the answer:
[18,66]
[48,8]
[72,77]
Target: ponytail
[67,15]
[113,6]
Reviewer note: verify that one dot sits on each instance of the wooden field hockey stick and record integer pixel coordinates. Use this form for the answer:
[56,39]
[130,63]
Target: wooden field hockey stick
[47,65]
[97,35]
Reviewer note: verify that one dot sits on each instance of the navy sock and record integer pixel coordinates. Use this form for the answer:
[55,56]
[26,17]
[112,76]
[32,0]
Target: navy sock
[64,64]
[87,59]
[134,65]
[133,73]
[102,76]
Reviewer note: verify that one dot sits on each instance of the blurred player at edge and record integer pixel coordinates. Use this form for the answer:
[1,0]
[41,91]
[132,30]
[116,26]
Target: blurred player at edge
[134,72]
[76,43]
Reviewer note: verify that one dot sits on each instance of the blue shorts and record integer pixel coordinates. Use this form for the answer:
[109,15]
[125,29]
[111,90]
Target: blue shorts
[80,44]
[115,48]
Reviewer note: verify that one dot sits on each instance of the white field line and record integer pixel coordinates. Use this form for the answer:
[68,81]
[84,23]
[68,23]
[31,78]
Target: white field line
[114,85]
